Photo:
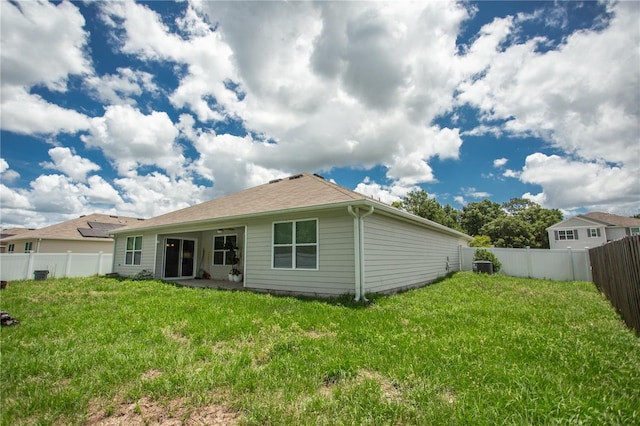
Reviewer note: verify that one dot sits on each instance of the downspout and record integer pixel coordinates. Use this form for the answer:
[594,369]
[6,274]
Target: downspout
[358,240]
[38,245]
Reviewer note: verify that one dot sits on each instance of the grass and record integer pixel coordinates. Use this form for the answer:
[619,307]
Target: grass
[472,349]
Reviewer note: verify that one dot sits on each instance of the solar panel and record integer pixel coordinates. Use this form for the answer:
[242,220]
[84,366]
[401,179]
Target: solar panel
[95,233]
[104,226]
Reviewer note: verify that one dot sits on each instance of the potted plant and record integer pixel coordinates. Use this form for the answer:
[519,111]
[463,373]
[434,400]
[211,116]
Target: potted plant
[234,275]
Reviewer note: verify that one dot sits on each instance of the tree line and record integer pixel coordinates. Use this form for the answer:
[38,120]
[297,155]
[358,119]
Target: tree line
[517,223]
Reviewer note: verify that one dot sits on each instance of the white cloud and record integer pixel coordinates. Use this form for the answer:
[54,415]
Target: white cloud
[13,199]
[474,193]
[385,193]
[6,173]
[121,87]
[41,43]
[132,139]
[500,162]
[26,113]
[578,96]
[154,194]
[99,191]
[55,193]
[570,184]
[72,165]
[312,65]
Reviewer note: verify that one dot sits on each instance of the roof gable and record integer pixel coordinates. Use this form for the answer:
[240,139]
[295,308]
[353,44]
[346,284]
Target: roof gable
[297,191]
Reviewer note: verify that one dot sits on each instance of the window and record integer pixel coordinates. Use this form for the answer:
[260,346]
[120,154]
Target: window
[568,234]
[11,248]
[133,253]
[295,244]
[635,231]
[28,246]
[593,232]
[222,255]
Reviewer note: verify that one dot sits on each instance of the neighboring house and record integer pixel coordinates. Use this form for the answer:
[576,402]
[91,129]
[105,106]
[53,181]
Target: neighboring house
[10,232]
[591,230]
[300,234]
[86,234]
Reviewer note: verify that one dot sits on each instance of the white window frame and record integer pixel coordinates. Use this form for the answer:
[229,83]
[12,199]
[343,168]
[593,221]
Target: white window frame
[133,251]
[634,231]
[11,248]
[224,255]
[593,232]
[566,235]
[294,245]
[28,246]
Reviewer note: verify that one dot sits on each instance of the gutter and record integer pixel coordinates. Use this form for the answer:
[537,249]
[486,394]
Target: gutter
[358,243]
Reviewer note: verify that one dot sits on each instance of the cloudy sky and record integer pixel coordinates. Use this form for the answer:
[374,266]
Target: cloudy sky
[142,108]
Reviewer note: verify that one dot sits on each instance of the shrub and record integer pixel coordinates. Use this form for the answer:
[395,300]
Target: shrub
[145,274]
[482,254]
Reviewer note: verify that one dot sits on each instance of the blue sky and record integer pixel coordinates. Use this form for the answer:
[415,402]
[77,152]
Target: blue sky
[142,108]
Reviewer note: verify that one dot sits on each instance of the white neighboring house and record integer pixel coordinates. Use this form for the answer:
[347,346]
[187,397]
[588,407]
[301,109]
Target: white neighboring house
[591,230]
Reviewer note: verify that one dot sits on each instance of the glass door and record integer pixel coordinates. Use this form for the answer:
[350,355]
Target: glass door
[179,258]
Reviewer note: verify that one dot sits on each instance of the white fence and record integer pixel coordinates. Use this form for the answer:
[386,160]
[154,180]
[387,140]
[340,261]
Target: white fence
[21,266]
[558,265]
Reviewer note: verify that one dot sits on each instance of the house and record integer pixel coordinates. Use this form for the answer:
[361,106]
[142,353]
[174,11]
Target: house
[300,234]
[591,230]
[10,232]
[86,234]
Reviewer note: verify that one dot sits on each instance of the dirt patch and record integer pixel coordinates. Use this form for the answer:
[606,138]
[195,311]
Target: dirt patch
[148,412]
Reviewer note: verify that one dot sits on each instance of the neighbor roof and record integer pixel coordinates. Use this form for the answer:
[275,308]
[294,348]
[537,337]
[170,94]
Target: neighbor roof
[299,191]
[76,229]
[613,220]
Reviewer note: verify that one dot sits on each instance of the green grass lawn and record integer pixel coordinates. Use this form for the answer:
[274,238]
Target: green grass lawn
[471,349]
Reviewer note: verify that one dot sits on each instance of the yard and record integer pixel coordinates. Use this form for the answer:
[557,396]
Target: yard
[471,349]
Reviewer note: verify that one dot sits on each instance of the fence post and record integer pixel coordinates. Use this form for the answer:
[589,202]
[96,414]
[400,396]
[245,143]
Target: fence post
[29,265]
[529,268]
[67,269]
[572,275]
[99,263]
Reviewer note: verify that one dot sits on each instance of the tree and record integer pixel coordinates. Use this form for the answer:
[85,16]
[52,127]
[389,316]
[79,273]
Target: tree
[540,219]
[480,241]
[475,215]
[423,205]
[509,231]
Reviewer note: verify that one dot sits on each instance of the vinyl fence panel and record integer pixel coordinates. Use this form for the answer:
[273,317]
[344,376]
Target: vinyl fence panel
[21,266]
[558,265]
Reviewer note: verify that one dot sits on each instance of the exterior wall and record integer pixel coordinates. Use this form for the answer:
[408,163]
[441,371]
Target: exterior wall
[336,270]
[400,254]
[583,241]
[62,246]
[20,244]
[616,233]
[148,254]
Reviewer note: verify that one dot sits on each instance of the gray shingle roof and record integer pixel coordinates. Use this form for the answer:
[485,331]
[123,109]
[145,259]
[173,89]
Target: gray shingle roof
[613,220]
[297,191]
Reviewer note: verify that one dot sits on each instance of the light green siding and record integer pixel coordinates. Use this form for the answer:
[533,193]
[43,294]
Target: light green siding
[148,254]
[335,274]
[399,254]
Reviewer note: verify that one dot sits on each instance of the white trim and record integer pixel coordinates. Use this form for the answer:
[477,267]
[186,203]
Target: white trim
[133,257]
[294,266]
